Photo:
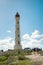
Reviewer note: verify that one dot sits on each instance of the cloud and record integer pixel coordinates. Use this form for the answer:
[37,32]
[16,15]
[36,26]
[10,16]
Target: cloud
[9,31]
[26,36]
[33,40]
[35,34]
[7,43]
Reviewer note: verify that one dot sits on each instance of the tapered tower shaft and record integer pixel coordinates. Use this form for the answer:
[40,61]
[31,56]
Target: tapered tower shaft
[17,33]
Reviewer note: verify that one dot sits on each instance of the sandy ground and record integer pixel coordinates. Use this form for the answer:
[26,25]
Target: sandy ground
[35,57]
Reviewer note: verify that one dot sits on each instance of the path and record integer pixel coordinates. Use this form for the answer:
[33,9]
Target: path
[35,57]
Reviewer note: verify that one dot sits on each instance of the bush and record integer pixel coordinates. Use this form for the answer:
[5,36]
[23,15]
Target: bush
[3,58]
[2,63]
[22,62]
[8,55]
[21,57]
[28,52]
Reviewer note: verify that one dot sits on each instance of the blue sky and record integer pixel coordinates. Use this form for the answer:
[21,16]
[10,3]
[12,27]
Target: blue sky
[31,17]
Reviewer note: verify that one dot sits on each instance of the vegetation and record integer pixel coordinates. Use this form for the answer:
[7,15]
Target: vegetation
[27,52]
[3,58]
[19,59]
[23,62]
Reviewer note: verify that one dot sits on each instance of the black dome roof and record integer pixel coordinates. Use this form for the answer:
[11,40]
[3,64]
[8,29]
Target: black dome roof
[17,15]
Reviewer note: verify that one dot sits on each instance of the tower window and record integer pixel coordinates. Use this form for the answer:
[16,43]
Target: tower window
[18,22]
[17,28]
[18,42]
[18,35]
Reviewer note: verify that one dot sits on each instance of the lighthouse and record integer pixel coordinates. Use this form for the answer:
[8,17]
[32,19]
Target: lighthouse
[17,32]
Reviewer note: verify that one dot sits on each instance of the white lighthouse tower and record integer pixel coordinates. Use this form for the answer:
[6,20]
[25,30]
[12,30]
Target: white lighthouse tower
[17,33]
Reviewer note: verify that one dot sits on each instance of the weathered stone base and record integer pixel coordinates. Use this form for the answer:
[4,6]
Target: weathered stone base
[17,47]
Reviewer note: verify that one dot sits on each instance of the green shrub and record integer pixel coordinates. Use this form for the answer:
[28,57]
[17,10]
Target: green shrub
[27,52]
[2,63]
[22,62]
[21,57]
[3,58]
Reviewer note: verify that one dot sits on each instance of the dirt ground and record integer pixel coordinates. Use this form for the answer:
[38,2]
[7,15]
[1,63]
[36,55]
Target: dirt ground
[35,57]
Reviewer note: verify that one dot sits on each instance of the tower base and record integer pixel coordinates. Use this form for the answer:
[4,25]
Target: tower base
[17,47]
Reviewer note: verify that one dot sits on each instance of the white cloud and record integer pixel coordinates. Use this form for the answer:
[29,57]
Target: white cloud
[33,40]
[26,36]
[7,43]
[35,34]
[9,31]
